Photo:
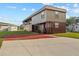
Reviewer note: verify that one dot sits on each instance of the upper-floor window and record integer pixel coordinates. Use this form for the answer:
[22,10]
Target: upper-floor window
[42,15]
[56,14]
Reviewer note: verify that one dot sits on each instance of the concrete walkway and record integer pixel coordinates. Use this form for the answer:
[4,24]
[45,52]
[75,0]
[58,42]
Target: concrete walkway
[59,46]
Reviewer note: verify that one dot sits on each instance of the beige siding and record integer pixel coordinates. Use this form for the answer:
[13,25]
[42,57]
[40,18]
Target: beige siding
[8,28]
[27,26]
[51,16]
[3,28]
[37,18]
[41,27]
[12,28]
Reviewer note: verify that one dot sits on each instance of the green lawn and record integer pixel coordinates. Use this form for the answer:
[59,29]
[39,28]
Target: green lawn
[1,42]
[69,34]
[6,33]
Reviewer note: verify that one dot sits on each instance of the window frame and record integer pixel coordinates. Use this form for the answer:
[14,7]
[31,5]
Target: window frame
[56,25]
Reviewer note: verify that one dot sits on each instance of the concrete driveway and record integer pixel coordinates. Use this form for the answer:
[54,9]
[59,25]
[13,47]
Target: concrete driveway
[59,46]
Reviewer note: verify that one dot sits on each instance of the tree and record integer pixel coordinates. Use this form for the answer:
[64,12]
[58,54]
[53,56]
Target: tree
[70,20]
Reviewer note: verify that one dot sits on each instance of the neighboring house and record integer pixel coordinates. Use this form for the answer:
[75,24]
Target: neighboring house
[7,27]
[48,19]
[75,26]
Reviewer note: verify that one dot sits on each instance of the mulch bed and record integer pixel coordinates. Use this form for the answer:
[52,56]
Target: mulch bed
[27,37]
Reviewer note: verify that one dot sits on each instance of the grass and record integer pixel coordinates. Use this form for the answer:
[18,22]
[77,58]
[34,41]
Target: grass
[1,42]
[69,34]
[7,33]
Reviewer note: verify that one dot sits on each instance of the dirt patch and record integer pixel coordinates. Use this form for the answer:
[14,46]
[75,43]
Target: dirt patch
[25,37]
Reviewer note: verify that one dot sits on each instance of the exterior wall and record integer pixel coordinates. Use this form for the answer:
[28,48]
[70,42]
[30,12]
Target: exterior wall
[8,28]
[12,28]
[52,16]
[38,18]
[38,28]
[41,28]
[48,24]
[27,26]
[51,27]
[4,28]
[49,15]
[60,29]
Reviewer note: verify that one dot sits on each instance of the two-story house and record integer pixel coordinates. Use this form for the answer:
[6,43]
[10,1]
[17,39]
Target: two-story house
[48,19]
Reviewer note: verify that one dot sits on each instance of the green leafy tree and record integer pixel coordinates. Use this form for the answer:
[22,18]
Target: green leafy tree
[70,21]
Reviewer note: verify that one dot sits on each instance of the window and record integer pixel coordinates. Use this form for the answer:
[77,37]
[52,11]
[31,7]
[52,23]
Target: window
[56,25]
[25,23]
[42,15]
[56,14]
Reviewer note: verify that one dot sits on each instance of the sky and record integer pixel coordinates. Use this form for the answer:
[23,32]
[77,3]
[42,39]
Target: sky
[15,13]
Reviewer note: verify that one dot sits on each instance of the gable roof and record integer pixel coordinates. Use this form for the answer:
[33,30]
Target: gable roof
[43,8]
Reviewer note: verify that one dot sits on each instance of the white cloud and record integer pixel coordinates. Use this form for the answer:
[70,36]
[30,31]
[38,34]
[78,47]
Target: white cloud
[0,17]
[75,5]
[3,17]
[23,9]
[76,10]
[11,7]
[33,9]
[6,18]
